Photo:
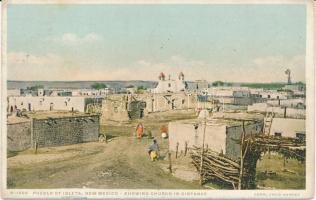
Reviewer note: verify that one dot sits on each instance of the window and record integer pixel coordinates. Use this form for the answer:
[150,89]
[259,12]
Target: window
[169,84]
[115,109]
[278,134]
[269,96]
[182,101]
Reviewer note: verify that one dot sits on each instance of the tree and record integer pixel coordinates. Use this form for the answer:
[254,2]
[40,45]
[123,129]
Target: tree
[300,83]
[140,89]
[130,86]
[35,87]
[98,86]
[218,83]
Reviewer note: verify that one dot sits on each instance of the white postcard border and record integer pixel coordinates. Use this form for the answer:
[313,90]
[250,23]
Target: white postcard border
[170,194]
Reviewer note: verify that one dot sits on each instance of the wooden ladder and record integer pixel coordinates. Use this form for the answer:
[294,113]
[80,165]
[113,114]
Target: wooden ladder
[267,123]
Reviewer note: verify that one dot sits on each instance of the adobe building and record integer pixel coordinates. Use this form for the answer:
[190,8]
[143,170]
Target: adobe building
[18,133]
[288,127]
[160,102]
[46,129]
[278,110]
[238,96]
[121,107]
[170,85]
[222,132]
[51,103]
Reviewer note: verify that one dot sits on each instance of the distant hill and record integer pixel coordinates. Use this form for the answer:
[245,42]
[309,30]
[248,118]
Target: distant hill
[78,84]
[122,84]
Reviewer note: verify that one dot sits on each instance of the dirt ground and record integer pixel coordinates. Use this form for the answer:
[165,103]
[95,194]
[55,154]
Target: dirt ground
[290,176]
[123,162]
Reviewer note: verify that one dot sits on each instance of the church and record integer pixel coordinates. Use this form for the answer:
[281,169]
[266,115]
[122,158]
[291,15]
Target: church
[170,85]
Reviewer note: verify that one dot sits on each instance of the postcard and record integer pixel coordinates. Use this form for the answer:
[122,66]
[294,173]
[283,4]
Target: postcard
[160,99]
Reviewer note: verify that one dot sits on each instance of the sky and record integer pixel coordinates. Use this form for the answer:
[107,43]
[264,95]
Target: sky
[235,43]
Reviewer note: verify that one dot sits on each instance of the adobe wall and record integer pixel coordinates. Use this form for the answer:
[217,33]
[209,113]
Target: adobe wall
[182,133]
[161,102]
[19,136]
[233,136]
[278,111]
[220,138]
[65,130]
[114,110]
[46,103]
[287,127]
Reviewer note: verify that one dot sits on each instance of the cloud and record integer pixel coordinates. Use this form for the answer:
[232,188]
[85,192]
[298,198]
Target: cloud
[193,69]
[22,58]
[261,69]
[273,68]
[23,66]
[74,39]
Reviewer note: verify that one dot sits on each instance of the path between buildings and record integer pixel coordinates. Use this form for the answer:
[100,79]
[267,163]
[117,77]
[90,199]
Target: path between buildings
[121,163]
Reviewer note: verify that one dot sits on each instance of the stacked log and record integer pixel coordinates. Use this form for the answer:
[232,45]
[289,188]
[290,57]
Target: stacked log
[288,147]
[216,166]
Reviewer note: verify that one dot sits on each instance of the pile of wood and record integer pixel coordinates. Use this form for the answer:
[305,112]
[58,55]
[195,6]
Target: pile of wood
[288,147]
[241,173]
[216,166]
[278,142]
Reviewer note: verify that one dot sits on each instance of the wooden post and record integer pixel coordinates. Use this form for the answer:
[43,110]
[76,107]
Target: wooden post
[36,146]
[285,111]
[177,148]
[170,164]
[202,154]
[201,167]
[284,160]
[185,148]
[241,155]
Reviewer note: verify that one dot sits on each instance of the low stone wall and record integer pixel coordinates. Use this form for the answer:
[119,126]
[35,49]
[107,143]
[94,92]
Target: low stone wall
[19,136]
[65,130]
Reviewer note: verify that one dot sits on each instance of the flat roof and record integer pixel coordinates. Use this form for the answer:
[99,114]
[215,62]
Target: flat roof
[239,116]
[225,119]
[214,122]
[54,114]
[16,120]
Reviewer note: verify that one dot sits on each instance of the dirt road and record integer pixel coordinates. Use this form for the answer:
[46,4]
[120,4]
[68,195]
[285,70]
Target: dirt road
[124,163]
[121,163]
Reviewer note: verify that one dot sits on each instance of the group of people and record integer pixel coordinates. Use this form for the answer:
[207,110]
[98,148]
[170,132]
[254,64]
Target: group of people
[153,150]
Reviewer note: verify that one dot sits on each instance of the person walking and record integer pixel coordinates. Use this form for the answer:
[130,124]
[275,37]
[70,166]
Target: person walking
[139,130]
[154,151]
